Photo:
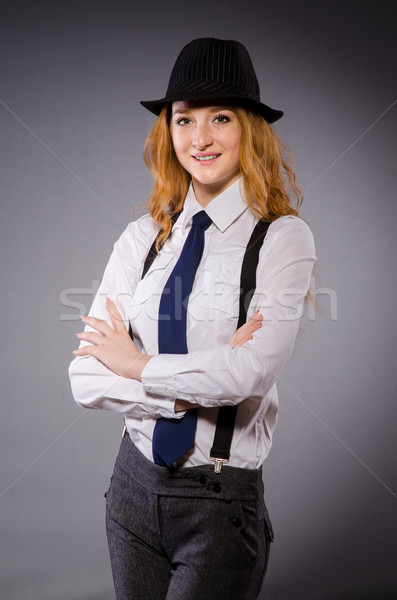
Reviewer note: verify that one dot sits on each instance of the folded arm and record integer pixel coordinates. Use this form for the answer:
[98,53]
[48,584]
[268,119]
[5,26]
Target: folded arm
[94,383]
[110,373]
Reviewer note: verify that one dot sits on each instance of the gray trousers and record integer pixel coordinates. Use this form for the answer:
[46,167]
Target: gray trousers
[185,534]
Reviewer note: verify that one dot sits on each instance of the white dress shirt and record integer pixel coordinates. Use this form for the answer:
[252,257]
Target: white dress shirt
[212,374]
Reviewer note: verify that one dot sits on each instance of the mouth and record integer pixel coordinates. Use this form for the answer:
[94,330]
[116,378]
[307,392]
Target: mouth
[205,158]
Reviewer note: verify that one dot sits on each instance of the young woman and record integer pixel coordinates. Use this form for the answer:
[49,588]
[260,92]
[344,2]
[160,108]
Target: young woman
[160,344]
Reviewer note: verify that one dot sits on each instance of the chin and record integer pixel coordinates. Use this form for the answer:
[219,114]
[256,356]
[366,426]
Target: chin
[216,181]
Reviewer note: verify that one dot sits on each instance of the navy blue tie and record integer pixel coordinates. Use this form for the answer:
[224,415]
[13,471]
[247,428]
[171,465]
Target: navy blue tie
[172,438]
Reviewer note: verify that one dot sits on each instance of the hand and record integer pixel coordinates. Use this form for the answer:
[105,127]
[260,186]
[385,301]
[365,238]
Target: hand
[112,346]
[246,331]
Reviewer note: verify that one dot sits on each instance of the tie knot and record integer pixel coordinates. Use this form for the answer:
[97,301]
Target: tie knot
[202,219]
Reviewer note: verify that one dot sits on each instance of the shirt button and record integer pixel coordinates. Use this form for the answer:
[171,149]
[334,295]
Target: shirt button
[229,272]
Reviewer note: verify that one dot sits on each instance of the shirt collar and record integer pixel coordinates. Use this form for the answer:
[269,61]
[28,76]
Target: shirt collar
[223,209]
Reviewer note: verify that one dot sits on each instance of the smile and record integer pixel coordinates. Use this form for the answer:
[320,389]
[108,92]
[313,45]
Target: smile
[208,157]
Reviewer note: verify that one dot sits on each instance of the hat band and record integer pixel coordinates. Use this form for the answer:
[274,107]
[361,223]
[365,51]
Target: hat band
[201,89]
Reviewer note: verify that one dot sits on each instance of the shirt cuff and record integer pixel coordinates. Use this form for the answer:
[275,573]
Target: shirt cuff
[159,377]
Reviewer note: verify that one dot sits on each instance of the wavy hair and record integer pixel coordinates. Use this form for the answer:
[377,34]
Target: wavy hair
[266,167]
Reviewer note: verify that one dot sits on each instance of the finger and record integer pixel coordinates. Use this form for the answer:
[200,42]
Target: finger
[97,324]
[90,336]
[244,333]
[254,326]
[256,316]
[115,316]
[251,325]
[255,322]
[86,351]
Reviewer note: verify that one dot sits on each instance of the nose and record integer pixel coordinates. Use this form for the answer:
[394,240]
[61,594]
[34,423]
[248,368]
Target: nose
[202,137]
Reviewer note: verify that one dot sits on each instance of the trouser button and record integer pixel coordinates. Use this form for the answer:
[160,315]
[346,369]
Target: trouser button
[236,522]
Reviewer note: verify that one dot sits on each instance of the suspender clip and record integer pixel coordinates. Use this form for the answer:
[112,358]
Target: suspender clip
[218,462]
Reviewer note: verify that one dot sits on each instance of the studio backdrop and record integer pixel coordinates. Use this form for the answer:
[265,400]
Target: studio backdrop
[72,177]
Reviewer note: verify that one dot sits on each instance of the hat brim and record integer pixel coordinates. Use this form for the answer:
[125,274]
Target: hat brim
[269,114]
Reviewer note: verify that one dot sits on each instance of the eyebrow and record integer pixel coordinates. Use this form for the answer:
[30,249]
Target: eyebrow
[215,109]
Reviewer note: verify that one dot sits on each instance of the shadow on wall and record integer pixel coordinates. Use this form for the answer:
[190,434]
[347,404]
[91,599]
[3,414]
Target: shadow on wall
[352,555]
[36,586]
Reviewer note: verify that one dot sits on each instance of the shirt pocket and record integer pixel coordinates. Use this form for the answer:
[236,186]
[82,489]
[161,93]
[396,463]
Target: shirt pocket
[221,286]
[215,301]
[154,281]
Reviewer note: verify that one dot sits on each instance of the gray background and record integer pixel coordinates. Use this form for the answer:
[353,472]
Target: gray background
[72,176]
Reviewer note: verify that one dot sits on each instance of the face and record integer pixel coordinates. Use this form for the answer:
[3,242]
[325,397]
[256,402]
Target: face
[206,140]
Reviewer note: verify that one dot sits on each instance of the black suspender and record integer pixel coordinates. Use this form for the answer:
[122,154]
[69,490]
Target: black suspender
[153,252]
[248,269]
[220,451]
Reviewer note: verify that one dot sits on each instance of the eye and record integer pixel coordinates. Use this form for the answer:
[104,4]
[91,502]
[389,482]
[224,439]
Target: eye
[221,119]
[182,121]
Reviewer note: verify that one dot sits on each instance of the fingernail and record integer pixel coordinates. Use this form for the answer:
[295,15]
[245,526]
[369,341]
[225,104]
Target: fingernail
[82,317]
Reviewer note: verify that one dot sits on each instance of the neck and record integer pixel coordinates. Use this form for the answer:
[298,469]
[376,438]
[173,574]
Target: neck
[206,192]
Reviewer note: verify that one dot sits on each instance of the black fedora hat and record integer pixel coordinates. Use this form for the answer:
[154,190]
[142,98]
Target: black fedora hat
[210,68]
